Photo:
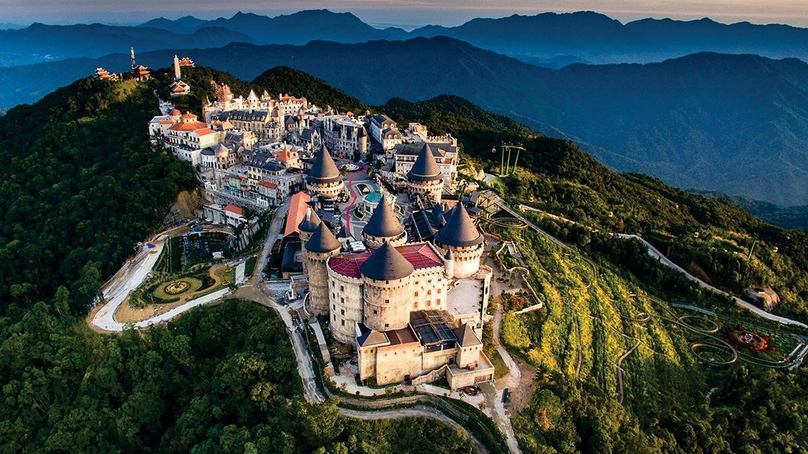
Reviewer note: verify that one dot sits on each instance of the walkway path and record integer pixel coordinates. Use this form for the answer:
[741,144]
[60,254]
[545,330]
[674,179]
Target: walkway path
[417,411]
[654,252]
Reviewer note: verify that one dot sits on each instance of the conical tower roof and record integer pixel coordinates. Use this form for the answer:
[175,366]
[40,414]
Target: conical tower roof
[322,240]
[323,169]
[310,221]
[459,230]
[386,264]
[425,167]
[383,223]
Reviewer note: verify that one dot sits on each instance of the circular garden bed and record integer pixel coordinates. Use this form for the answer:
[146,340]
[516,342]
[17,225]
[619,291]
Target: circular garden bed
[172,290]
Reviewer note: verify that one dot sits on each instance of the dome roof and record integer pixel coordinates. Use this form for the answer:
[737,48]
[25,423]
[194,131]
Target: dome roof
[174,113]
[310,221]
[425,167]
[383,223]
[323,170]
[459,230]
[322,240]
[386,264]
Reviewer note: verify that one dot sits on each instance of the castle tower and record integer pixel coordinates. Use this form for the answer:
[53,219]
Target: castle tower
[383,227]
[363,142]
[252,100]
[307,227]
[387,289]
[319,248]
[324,178]
[425,176]
[177,73]
[461,238]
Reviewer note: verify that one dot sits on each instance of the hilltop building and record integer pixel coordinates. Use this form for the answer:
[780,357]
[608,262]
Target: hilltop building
[445,155]
[344,135]
[413,311]
[424,176]
[324,178]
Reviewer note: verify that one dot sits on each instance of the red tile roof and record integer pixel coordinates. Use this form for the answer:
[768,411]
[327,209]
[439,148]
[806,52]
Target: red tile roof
[204,131]
[193,126]
[297,211]
[234,209]
[420,255]
[267,184]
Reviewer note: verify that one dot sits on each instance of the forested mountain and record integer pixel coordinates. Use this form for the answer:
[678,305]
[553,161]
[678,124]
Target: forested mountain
[222,379]
[600,39]
[80,187]
[731,123]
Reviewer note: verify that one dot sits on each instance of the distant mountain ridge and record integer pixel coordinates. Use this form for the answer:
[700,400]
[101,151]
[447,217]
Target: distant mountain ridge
[547,39]
[598,38]
[731,123]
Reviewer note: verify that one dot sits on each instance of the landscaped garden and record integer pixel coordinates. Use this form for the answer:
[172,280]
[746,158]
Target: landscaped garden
[179,287]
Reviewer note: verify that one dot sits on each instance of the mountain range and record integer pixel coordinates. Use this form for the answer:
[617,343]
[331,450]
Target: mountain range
[731,123]
[549,39]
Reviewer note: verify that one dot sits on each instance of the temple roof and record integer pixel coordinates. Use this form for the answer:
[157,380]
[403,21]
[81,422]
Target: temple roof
[459,230]
[322,240]
[323,169]
[383,223]
[425,167]
[386,264]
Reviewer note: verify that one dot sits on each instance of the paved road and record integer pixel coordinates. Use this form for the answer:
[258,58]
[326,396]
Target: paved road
[128,278]
[654,252]
[417,411]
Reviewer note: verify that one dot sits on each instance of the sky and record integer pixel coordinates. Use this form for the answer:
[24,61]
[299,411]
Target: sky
[404,13]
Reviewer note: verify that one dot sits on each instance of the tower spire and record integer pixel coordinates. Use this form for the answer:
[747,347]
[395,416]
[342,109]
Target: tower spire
[132,56]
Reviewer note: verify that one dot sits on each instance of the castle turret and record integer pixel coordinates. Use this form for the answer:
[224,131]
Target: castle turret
[448,263]
[383,227]
[307,227]
[319,248]
[363,142]
[324,178]
[387,289]
[425,177]
[461,238]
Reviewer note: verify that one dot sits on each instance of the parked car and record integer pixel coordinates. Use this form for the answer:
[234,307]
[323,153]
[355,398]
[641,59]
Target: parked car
[471,391]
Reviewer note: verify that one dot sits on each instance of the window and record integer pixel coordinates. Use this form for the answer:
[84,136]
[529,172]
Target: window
[439,291]
[428,303]
[416,294]
[437,301]
[375,311]
[342,312]
[386,301]
[386,325]
[342,300]
[429,292]
[416,305]
[341,288]
[343,323]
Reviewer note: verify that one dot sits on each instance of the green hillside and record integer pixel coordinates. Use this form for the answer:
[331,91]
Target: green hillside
[222,378]
[80,188]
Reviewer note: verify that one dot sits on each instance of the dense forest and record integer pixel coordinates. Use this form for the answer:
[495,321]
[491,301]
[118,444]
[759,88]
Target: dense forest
[80,189]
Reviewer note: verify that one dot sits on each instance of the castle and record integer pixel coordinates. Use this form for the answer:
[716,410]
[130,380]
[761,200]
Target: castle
[413,311]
